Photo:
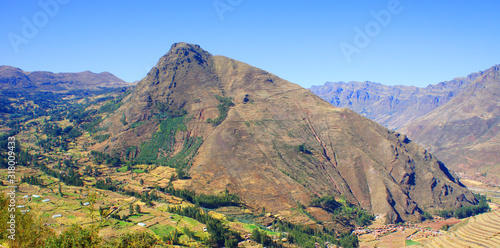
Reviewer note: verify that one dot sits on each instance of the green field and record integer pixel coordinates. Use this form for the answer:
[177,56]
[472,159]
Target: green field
[251,227]
[411,242]
[162,230]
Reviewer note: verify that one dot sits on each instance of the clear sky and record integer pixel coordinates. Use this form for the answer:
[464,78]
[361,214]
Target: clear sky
[305,42]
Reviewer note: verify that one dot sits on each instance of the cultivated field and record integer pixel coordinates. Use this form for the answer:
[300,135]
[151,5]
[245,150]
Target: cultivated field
[479,231]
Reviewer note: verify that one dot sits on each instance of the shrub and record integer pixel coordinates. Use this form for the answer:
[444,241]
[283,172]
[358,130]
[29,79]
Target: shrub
[303,148]
[223,107]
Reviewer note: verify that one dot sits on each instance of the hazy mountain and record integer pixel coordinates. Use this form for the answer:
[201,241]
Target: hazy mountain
[465,132]
[17,79]
[14,78]
[391,106]
[276,145]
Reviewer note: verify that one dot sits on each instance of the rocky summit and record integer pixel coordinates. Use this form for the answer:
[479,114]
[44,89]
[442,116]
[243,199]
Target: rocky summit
[235,127]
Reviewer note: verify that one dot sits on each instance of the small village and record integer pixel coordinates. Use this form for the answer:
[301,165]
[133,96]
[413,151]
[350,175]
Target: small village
[410,229]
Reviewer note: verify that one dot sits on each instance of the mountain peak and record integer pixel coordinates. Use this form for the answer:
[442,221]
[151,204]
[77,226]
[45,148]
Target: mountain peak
[184,45]
[180,56]
[182,49]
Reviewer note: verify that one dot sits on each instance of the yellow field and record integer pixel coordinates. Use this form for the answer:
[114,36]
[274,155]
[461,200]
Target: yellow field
[469,182]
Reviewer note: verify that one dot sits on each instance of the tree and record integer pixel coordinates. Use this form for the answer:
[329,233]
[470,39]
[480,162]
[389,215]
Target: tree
[130,210]
[101,212]
[141,181]
[91,199]
[231,243]
[256,235]
[172,238]
[188,233]
[60,190]
[137,208]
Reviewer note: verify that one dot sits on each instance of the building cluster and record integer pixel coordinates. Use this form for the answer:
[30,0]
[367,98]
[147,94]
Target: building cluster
[391,228]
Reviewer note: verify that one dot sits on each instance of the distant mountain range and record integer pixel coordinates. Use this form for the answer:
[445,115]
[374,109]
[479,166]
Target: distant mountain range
[17,79]
[457,120]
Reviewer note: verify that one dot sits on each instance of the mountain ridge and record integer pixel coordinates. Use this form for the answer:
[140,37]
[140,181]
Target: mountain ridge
[391,106]
[16,79]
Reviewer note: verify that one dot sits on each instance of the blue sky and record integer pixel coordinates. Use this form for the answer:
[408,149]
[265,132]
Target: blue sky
[410,43]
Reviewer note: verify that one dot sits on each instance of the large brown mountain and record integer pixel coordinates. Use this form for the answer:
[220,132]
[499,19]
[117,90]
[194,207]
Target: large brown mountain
[465,132]
[279,144]
[17,79]
[391,106]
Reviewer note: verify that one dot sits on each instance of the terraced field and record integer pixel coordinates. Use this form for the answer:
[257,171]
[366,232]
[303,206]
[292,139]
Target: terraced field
[481,231]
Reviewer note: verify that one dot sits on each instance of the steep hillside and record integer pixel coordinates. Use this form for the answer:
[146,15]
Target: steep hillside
[464,133]
[391,106]
[271,142]
[17,79]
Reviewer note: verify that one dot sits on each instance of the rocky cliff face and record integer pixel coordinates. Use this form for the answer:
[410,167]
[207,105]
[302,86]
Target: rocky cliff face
[17,79]
[279,144]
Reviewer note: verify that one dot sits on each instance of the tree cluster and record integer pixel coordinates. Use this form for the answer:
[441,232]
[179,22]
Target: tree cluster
[68,176]
[467,211]
[33,180]
[220,235]
[104,158]
[203,200]
[344,212]
[225,104]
